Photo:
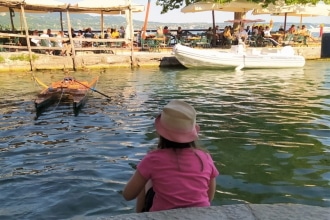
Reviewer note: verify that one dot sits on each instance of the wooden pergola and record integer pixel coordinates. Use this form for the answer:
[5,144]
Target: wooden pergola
[87,6]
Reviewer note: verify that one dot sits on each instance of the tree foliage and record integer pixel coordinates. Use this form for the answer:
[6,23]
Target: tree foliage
[168,5]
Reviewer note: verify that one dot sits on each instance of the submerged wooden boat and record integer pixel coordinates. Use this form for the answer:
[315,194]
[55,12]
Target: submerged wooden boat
[68,89]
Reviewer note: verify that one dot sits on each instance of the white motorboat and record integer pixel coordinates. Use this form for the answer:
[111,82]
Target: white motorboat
[238,58]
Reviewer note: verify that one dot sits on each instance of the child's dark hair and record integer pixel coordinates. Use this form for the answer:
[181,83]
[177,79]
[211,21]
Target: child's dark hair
[167,144]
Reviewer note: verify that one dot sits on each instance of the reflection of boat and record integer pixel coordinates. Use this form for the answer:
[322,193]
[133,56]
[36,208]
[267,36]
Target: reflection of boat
[69,89]
[237,58]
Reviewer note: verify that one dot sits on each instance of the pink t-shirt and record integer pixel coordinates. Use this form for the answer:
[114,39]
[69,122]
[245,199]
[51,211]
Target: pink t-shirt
[180,178]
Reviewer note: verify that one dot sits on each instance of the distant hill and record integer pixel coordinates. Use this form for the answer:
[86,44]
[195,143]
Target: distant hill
[80,21]
[53,21]
[42,21]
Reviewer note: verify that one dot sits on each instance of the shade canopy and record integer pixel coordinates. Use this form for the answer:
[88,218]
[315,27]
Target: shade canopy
[233,6]
[295,10]
[105,7]
[298,10]
[85,6]
[243,20]
[33,5]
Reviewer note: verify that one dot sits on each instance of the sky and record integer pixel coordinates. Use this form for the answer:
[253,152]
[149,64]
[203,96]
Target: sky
[176,16]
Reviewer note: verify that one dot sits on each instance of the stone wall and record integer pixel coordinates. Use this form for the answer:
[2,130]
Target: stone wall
[119,58]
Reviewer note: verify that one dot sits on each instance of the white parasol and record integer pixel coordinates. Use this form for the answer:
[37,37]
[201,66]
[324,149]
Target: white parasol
[244,20]
[233,6]
[298,10]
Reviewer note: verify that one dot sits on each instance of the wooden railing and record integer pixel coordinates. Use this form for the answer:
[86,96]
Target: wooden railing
[13,42]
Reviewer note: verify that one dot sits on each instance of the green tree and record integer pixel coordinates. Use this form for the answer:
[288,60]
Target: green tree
[168,5]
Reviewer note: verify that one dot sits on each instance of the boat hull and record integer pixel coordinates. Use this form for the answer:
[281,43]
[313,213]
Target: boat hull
[215,59]
[71,91]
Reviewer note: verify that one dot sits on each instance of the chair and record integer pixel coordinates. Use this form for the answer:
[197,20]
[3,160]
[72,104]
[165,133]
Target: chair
[178,39]
[259,41]
[152,45]
[168,39]
[44,43]
[143,43]
[226,43]
[266,42]
[204,42]
[288,39]
[301,40]
[162,43]
[251,41]
[116,44]
[2,43]
[185,42]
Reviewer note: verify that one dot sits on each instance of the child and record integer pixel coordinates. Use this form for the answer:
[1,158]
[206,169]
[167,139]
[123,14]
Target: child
[177,174]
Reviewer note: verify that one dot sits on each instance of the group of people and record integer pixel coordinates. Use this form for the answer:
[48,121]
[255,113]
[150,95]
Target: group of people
[230,36]
[62,40]
[162,33]
[227,36]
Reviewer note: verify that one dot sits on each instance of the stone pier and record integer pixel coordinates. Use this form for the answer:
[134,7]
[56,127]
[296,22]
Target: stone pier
[120,58]
[234,212]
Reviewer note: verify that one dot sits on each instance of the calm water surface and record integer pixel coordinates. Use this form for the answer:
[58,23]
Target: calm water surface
[267,130]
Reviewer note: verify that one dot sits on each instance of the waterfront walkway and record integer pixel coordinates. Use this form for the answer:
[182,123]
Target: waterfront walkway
[235,212]
[120,58]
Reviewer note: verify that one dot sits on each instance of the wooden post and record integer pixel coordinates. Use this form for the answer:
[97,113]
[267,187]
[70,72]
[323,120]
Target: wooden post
[145,21]
[12,14]
[214,40]
[131,33]
[285,16]
[61,18]
[27,37]
[21,22]
[71,40]
[102,25]
[238,16]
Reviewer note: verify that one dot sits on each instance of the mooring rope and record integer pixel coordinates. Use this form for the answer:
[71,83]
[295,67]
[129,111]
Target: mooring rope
[59,99]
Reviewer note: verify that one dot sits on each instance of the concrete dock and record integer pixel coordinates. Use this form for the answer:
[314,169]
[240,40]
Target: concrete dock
[117,58]
[234,212]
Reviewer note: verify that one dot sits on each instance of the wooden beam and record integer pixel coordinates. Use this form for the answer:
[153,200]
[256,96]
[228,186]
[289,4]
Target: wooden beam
[27,37]
[71,40]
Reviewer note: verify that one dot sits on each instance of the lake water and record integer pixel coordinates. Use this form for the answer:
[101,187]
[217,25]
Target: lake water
[268,132]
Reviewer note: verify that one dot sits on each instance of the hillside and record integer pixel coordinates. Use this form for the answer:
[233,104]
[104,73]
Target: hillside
[79,21]
[42,21]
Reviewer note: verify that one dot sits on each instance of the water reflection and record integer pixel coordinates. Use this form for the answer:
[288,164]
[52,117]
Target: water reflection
[268,131]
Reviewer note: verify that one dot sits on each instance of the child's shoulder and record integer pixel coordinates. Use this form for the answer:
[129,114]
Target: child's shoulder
[155,151]
[203,152]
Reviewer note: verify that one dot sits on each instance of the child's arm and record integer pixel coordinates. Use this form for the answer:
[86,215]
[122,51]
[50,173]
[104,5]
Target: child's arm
[211,190]
[134,186]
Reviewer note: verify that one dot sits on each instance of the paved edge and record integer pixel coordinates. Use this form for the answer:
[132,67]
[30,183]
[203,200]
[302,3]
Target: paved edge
[234,212]
[121,59]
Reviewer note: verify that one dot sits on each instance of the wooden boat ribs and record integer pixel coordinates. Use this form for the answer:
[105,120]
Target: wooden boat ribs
[68,89]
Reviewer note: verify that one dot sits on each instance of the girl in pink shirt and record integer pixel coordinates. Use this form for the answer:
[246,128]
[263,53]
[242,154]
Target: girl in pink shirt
[177,174]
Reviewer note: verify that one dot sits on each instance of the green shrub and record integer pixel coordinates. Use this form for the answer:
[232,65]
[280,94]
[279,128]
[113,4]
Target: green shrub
[2,59]
[23,57]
